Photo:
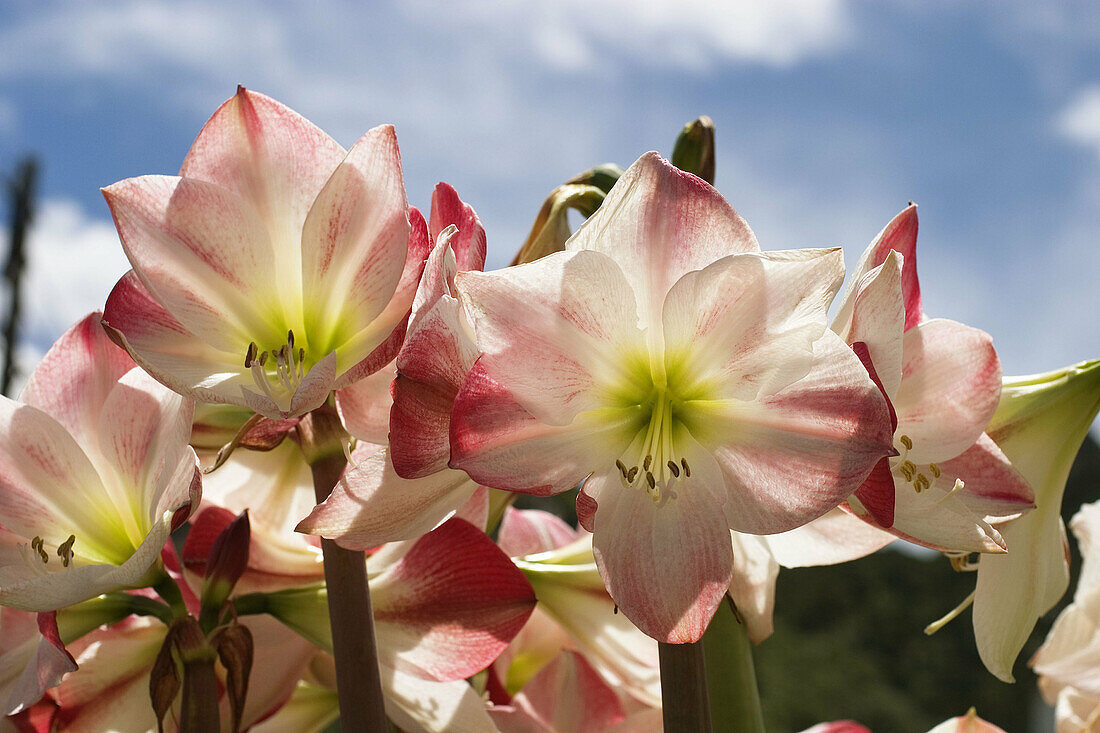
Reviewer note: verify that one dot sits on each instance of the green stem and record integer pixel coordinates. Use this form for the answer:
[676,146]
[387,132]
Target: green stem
[167,589]
[358,679]
[731,677]
[684,688]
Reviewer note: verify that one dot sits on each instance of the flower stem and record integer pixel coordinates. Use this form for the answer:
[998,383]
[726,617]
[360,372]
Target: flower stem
[684,688]
[358,680]
[199,707]
[735,704]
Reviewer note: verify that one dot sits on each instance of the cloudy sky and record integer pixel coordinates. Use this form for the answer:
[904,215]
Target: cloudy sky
[831,116]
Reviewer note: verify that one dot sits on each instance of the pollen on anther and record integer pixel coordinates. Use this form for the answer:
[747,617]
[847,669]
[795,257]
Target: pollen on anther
[649,479]
[674,468]
[647,463]
[250,355]
[934,469]
[290,339]
[687,469]
[907,442]
[263,358]
[65,550]
[632,474]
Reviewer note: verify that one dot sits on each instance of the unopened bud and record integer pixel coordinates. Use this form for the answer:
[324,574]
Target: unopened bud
[225,564]
[183,643]
[603,177]
[234,646]
[551,227]
[694,150]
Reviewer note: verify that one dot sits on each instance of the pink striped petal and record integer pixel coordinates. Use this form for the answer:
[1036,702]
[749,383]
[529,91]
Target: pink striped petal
[791,457]
[744,326]
[450,606]
[529,531]
[873,313]
[372,504]
[660,223]
[575,310]
[469,243]
[365,406]
[32,658]
[592,703]
[71,382]
[396,314]
[500,445]
[833,538]
[275,159]
[666,566]
[993,488]
[354,246]
[203,253]
[900,235]
[950,386]
[163,347]
[876,493]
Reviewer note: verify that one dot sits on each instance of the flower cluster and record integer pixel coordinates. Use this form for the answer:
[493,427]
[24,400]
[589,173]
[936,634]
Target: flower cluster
[303,380]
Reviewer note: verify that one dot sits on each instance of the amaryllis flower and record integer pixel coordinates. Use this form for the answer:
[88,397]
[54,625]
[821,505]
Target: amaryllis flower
[1040,424]
[275,268]
[94,471]
[685,377]
[402,487]
[1068,662]
[948,481]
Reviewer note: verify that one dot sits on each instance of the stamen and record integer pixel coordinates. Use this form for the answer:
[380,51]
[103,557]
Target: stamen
[907,442]
[290,339]
[934,469]
[36,545]
[65,550]
[650,480]
[647,462]
[687,470]
[250,355]
[674,468]
[939,624]
[621,466]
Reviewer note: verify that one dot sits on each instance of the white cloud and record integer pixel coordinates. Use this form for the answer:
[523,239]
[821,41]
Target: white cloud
[73,261]
[1079,121]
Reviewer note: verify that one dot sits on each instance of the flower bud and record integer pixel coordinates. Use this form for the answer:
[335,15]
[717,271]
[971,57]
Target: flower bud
[551,227]
[694,150]
[603,177]
[225,564]
[234,646]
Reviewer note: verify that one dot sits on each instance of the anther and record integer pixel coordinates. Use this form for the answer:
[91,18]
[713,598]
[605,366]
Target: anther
[263,358]
[65,550]
[647,463]
[621,466]
[687,470]
[631,475]
[907,442]
[650,480]
[36,545]
[290,339]
[674,468]
[250,355]
[934,469]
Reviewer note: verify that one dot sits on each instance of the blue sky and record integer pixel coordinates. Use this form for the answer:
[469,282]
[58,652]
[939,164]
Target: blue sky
[831,116]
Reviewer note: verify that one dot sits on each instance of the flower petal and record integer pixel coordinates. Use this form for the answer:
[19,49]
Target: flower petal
[660,223]
[372,504]
[744,326]
[501,445]
[993,487]
[753,585]
[275,159]
[575,310]
[417,704]
[876,494]
[790,457]
[203,253]
[529,531]
[831,539]
[71,382]
[354,243]
[469,243]
[667,567]
[163,347]
[874,313]
[365,406]
[32,658]
[450,605]
[900,235]
[593,704]
[950,386]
